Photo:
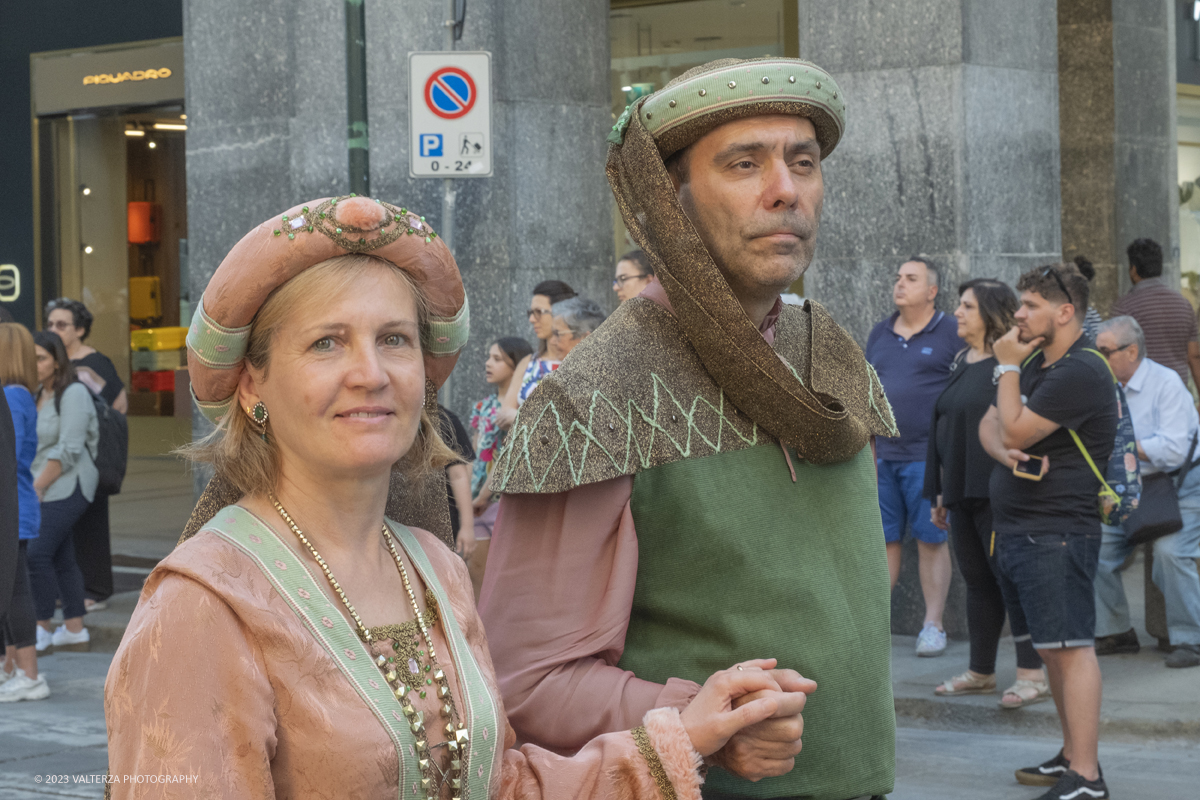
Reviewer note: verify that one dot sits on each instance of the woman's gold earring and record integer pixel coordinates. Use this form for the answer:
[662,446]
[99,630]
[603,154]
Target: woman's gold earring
[259,415]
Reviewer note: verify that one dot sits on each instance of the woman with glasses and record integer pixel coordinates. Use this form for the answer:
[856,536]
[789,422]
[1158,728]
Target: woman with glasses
[634,274]
[72,321]
[65,478]
[534,367]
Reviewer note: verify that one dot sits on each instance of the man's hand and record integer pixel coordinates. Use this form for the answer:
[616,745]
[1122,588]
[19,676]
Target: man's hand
[767,749]
[1010,350]
[937,515]
[1016,455]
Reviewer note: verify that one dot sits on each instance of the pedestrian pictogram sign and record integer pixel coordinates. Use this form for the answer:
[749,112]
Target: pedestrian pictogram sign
[450,114]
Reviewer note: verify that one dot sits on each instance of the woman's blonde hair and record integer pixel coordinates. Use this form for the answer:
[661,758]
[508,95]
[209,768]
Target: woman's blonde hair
[236,449]
[18,361]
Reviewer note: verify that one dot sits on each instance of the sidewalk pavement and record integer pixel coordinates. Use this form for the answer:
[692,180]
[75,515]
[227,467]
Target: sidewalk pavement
[1142,698]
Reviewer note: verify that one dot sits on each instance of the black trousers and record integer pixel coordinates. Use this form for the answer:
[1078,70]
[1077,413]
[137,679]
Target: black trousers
[93,550]
[971,529]
[19,624]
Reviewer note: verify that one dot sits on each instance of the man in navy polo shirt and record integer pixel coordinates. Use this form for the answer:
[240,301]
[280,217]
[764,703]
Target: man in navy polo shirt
[913,350]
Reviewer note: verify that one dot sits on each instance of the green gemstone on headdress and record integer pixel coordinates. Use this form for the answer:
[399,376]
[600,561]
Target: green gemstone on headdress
[306,209]
[322,215]
[433,234]
[291,236]
[285,217]
[396,218]
[422,219]
[310,228]
[404,211]
[361,241]
[422,695]
[277,232]
[427,240]
[337,230]
[396,646]
[429,681]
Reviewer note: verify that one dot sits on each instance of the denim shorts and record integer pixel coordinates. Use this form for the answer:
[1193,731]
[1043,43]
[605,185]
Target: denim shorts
[1046,580]
[901,501]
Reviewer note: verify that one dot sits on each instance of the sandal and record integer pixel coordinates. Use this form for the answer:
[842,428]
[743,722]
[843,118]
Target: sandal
[967,683]
[1026,692]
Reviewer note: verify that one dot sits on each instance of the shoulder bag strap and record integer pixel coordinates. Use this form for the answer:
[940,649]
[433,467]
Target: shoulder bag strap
[1107,490]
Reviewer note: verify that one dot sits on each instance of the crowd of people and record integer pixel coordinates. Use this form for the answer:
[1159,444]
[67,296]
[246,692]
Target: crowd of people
[677,524]
[1004,419]
[53,382]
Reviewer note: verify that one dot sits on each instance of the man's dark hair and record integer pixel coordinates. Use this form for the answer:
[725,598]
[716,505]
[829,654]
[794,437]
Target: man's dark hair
[929,268]
[640,258]
[80,316]
[1058,283]
[997,305]
[514,348]
[1145,256]
[677,165]
[557,291]
[1085,268]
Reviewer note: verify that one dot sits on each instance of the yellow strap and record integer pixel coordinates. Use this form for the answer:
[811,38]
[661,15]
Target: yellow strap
[1107,489]
[992,550]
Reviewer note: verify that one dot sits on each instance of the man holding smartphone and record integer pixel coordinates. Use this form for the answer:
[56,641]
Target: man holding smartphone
[1049,382]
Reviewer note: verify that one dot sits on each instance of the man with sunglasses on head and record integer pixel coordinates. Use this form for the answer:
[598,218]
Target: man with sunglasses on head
[1050,383]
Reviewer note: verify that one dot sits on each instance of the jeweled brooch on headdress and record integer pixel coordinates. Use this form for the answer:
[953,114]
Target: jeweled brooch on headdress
[359,226]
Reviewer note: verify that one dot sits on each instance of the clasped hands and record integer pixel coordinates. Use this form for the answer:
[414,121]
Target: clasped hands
[748,720]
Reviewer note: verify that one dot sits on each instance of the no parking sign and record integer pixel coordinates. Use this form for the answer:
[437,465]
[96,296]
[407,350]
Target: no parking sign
[450,114]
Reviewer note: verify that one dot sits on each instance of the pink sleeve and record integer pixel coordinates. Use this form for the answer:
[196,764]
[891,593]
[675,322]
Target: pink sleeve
[556,601]
[614,766]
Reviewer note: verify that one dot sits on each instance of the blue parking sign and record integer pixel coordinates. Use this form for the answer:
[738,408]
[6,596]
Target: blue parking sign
[431,144]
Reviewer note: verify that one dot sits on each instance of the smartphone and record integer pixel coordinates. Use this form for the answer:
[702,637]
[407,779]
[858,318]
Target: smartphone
[1030,470]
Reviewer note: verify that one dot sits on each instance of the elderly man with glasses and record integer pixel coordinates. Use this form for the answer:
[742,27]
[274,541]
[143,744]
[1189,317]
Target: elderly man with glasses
[1166,424]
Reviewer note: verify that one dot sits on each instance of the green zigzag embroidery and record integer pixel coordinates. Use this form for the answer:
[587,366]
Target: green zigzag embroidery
[631,443]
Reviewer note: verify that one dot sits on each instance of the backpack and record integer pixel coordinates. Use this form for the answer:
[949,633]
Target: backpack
[112,451]
[1121,483]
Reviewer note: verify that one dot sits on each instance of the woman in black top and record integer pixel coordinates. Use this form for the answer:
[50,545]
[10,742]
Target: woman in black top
[957,472]
[72,321]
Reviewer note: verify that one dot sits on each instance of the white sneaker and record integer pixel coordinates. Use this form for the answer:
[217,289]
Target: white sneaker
[5,677]
[23,687]
[931,642]
[63,639]
[45,641]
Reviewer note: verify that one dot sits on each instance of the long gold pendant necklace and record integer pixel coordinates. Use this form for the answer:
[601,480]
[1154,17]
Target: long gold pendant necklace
[433,777]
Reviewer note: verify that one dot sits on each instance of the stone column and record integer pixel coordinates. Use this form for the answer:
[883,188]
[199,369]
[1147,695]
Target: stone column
[266,103]
[951,150]
[1117,127]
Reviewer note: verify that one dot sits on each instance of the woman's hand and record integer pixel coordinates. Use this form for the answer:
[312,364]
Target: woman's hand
[464,543]
[482,501]
[712,718]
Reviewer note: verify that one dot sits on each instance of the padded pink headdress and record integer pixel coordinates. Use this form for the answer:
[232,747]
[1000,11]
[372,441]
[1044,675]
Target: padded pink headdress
[304,236]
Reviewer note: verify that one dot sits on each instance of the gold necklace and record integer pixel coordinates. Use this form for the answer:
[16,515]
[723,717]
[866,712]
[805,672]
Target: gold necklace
[433,777]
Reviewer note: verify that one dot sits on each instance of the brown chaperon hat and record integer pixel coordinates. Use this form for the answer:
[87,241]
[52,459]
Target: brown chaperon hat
[818,419]
[276,251]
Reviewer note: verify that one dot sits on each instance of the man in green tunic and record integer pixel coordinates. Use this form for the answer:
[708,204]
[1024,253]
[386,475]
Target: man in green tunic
[695,486]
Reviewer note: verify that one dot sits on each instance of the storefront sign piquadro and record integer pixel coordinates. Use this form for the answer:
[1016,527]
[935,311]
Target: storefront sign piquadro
[138,73]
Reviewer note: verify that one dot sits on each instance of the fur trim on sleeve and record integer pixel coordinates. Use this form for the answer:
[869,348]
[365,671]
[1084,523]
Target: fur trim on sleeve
[679,759]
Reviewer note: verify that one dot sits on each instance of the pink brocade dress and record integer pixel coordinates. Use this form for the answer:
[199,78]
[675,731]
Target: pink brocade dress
[238,677]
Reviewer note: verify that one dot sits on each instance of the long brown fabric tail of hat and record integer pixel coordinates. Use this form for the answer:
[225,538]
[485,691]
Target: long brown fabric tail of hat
[827,415]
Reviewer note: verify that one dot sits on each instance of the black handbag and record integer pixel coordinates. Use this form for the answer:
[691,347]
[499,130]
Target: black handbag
[1157,514]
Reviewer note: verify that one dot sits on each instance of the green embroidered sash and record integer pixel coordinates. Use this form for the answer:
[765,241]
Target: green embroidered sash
[296,585]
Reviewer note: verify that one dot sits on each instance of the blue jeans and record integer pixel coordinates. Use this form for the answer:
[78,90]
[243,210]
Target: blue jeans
[901,500]
[1174,573]
[1047,583]
[53,571]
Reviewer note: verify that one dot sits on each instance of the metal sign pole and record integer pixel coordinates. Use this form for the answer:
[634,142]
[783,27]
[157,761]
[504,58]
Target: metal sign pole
[448,197]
